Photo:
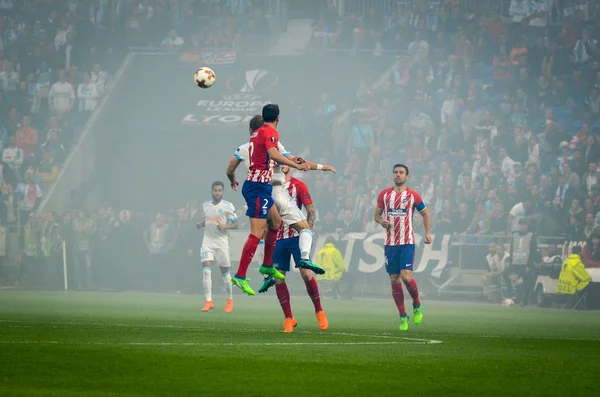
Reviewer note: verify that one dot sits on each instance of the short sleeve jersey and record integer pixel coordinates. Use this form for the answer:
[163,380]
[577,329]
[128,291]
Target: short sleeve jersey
[214,215]
[260,165]
[398,209]
[299,193]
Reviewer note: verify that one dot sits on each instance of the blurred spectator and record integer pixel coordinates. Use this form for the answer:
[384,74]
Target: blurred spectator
[13,156]
[591,252]
[331,259]
[27,138]
[173,41]
[47,169]
[61,95]
[29,194]
[87,94]
[495,280]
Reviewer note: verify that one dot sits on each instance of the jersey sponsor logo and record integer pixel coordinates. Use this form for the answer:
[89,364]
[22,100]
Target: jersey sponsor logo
[397,212]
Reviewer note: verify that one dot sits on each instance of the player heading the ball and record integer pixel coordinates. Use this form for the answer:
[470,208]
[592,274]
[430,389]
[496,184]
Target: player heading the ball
[257,191]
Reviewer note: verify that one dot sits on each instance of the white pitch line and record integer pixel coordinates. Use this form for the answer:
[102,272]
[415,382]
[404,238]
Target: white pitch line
[250,330]
[26,342]
[398,339]
[243,330]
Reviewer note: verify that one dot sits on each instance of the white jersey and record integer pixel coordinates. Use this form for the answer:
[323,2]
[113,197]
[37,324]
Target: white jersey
[214,215]
[242,153]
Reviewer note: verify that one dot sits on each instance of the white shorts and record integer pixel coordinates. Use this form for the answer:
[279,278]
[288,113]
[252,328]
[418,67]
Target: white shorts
[288,210]
[218,255]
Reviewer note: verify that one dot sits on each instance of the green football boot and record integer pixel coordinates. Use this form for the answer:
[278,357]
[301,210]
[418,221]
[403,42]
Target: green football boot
[243,284]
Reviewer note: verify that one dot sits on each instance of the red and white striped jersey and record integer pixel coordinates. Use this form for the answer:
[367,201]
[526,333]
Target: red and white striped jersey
[301,196]
[260,165]
[398,209]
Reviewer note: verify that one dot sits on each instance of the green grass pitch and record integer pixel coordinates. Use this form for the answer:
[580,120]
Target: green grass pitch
[129,344]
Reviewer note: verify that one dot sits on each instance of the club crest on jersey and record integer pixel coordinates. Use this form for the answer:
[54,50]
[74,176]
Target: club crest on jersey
[404,201]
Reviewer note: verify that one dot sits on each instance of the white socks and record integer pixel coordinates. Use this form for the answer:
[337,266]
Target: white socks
[207,283]
[305,243]
[228,285]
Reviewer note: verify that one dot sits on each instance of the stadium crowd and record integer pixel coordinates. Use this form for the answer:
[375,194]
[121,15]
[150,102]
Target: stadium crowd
[502,126]
[56,62]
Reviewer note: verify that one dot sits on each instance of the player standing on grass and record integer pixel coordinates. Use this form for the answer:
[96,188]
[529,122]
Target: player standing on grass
[257,191]
[398,203]
[288,245]
[219,216]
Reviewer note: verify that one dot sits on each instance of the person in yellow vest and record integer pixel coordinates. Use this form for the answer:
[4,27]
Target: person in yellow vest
[47,169]
[331,259]
[573,277]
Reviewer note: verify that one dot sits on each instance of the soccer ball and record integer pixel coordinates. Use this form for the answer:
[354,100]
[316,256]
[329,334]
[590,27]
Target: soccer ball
[205,77]
[508,303]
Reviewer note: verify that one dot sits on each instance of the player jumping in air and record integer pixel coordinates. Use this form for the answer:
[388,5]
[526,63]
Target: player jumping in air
[257,191]
[286,207]
[219,216]
[395,209]
[288,245]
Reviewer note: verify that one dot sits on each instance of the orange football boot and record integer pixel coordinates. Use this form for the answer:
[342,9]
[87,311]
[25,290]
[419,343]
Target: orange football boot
[208,306]
[289,324]
[322,319]
[229,306]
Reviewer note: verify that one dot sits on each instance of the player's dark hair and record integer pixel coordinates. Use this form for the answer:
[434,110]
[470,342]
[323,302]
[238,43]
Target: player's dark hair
[256,122]
[576,250]
[217,183]
[402,166]
[270,112]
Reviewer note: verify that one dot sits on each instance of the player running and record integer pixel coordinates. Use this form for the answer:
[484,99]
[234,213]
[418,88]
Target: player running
[398,203]
[263,153]
[219,217]
[286,207]
[288,245]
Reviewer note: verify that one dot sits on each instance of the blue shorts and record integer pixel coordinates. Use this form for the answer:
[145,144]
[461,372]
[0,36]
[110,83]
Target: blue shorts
[259,199]
[399,257]
[284,250]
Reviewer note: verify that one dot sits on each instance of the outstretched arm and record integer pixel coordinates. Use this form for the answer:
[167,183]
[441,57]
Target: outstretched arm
[313,166]
[281,159]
